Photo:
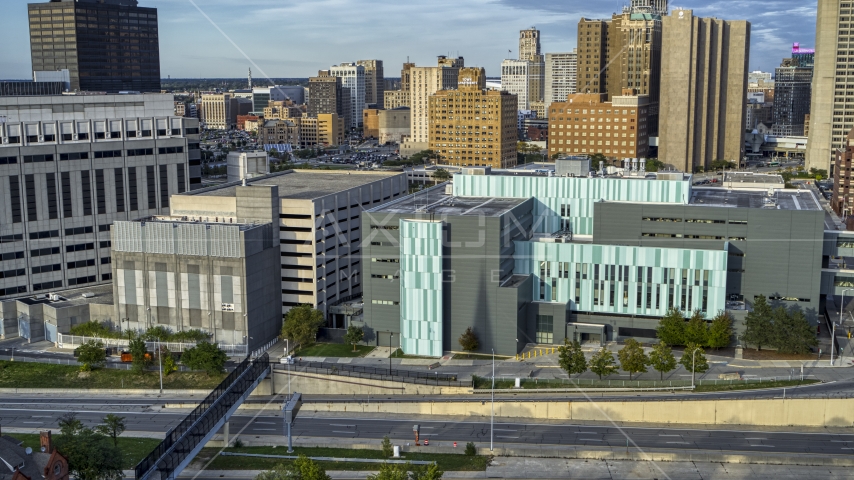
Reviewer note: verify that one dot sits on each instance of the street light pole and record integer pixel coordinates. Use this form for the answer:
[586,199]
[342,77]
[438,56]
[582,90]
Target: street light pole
[492,417]
[160,361]
[693,367]
[390,334]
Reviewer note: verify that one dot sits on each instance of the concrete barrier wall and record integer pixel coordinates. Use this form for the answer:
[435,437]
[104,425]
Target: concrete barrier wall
[318,384]
[772,412]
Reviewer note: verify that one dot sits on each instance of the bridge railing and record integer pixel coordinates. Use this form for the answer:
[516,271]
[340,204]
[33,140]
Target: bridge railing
[185,436]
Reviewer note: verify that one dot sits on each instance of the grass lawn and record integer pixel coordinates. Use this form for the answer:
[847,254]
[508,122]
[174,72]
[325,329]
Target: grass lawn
[333,350]
[399,354]
[753,385]
[753,354]
[45,375]
[705,386]
[133,449]
[447,462]
[478,356]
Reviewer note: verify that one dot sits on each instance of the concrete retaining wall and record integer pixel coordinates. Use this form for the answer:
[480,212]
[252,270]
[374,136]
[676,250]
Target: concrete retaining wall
[773,412]
[317,384]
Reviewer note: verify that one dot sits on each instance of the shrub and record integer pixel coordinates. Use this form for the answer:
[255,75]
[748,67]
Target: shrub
[470,449]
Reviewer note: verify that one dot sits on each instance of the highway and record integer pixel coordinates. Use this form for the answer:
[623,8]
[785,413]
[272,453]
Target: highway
[145,415]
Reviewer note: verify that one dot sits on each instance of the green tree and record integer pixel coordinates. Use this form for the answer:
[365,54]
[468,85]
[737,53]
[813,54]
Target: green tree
[758,324]
[138,351]
[671,328]
[571,359]
[91,455]
[602,363]
[468,340]
[661,359]
[94,329]
[303,468]
[387,447]
[91,355]
[471,450]
[205,356]
[431,471]
[301,324]
[792,332]
[392,471]
[632,358]
[694,362]
[354,335]
[441,175]
[595,159]
[112,427]
[696,330]
[720,331]
[169,365]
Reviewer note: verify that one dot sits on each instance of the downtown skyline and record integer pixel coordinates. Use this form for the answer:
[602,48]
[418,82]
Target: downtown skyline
[299,38]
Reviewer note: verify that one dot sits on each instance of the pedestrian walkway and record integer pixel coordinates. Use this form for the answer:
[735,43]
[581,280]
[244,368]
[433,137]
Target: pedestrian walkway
[380,352]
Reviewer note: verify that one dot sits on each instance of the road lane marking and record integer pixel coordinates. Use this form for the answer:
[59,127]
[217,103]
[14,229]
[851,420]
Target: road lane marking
[500,436]
[265,423]
[681,443]
[587,433]
[266,429]
[756,438]
[340,425]
[339,431]
[497,429]
[32,422]
[766,446]
[668,435]
[590,440]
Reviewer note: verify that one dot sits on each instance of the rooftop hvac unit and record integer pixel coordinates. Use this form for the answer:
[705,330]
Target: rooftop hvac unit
[53,297]
[88,295]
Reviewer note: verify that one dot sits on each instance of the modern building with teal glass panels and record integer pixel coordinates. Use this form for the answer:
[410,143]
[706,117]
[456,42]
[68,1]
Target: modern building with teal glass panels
[421,287]
[625,280]
[566,203]
[532,259]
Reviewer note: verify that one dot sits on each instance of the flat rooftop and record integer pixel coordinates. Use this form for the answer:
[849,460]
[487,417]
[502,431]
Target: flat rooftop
[301,184]
[782,199]
[197,220]
[436,201]
[750,178]
[101,294]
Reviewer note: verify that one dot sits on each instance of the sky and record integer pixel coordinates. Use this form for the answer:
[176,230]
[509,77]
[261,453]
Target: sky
[295,38]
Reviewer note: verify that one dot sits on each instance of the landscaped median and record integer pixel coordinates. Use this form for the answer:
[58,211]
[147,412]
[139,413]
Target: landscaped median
[446,461]
[531,385]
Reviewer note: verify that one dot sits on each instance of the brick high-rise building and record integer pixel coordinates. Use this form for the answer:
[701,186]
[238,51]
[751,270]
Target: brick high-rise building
[592,56]
[842,201]
[587,124]
[462,138]
[403,97]
[106,45]
[325,94]
[832,105]
[425,81]
[704,65]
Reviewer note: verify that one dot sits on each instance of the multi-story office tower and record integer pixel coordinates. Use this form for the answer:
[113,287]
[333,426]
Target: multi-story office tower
[217,111]
[592,56]
[586,123]
[634,59]
[318,219]
[792,95]
[325,94]
[832,105]
[426,81]
[67,176]
[560,76]
[703,114]
[106,45]
[402,97]
[842,201]
[353,88]
[374,82]
[529,43]
[461,139]
[529,49]
[515,79]
[654,7]
[758,77]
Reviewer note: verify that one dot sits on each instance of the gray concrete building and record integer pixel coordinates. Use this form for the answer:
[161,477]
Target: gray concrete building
[72,165]
[319,230]
[832,109]
[41,317]
[704,65]
[218,275]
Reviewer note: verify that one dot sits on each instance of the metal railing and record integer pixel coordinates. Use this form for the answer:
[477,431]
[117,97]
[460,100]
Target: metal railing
[184,437]
[357,371]
[74,341]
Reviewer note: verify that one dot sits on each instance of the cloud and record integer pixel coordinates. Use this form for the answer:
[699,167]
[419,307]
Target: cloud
[295,38]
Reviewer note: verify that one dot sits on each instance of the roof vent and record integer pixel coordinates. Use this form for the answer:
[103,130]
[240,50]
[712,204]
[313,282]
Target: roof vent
[88,295]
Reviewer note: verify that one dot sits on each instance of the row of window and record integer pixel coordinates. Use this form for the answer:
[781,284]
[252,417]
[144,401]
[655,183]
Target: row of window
[703,237]
[67,137]
[85,155]
[693,220]
[384,302]
[16,272]
[47,268]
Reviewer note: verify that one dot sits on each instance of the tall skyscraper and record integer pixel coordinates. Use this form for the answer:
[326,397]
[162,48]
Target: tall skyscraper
[832,106]
[792,92]
[325,94]
[400,98]
[560,76]
[353,87]
[704,64]
[106,45]
[592,56]
[529,50]
[374,82]
[425,81]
